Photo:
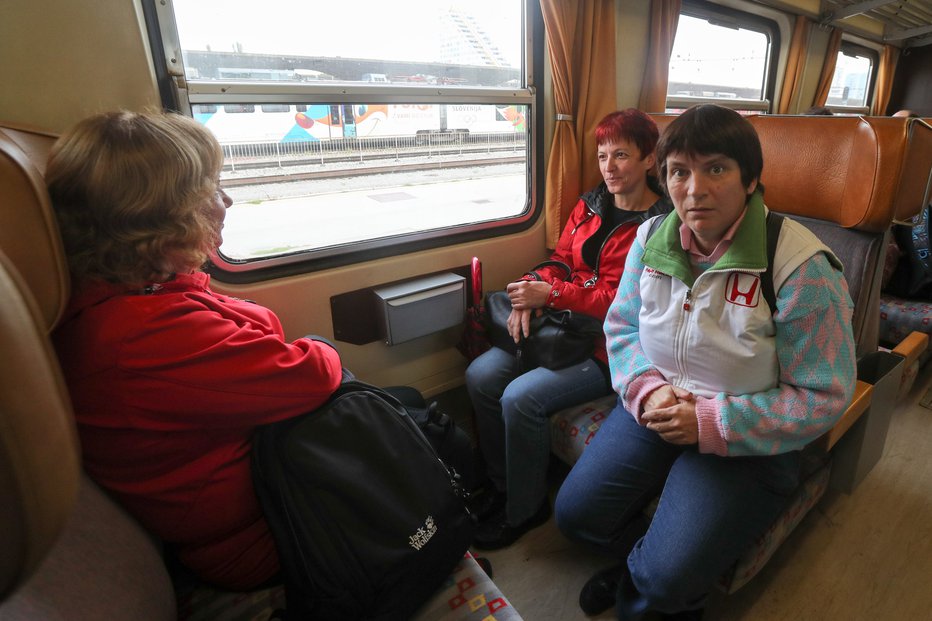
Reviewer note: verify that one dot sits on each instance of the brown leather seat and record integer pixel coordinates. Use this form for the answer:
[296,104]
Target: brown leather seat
[39,463]
[66,549]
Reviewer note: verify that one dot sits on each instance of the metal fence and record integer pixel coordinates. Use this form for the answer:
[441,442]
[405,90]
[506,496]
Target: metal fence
[425,144]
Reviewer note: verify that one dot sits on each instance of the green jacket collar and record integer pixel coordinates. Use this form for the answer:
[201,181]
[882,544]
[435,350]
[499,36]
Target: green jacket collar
[748,251]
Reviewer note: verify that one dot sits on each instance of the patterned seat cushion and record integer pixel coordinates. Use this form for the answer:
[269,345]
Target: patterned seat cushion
[899,317]
[468,594]
[572,429]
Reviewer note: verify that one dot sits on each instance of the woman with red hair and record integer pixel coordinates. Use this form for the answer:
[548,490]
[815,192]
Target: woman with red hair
[513,408]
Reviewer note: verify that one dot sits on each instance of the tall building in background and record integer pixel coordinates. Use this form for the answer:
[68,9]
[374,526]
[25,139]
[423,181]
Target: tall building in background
[465,42]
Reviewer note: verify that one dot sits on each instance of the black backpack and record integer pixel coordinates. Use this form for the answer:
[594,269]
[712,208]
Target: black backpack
[452,444]
[367,520]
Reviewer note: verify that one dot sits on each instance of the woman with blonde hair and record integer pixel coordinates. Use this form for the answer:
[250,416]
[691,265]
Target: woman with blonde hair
[169,379]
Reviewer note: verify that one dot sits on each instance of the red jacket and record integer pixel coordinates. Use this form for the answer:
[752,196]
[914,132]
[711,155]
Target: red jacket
[169,383]
[597,265]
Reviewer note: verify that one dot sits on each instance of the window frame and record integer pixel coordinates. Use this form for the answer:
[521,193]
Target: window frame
[180,93]
[727,16]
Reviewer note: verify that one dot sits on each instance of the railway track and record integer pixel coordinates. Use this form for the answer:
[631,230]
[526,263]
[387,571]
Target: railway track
[333,173]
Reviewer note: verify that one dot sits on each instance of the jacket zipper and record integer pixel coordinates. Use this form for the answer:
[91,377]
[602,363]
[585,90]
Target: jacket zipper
[598,258]
[590,215]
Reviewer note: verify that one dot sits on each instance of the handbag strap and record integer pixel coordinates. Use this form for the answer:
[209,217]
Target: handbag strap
[560,264]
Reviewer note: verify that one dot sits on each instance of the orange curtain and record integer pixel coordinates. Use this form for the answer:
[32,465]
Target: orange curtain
[664,17]
[581,44]
[794,65]
[828,68]
[888,59]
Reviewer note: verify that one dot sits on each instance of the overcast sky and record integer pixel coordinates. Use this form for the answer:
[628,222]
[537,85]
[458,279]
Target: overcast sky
[390,29]
[731,57]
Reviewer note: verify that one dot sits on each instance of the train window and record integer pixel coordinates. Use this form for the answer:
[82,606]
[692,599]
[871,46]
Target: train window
[852,82]
[723,56]
[409,130]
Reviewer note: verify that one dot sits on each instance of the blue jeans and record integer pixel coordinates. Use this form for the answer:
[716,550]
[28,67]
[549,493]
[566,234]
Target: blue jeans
[512,414]
[711,510]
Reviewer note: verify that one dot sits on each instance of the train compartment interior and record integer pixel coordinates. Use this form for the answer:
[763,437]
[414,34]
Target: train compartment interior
[858,542]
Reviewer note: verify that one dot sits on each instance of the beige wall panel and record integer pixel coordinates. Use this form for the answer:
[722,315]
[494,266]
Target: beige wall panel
[431,363]
[64,60]
[632,25]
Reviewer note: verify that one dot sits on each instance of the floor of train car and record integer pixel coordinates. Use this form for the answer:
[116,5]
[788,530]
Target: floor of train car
[864,556]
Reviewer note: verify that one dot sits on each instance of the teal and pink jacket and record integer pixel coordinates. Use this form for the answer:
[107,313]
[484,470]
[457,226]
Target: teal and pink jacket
[765,382]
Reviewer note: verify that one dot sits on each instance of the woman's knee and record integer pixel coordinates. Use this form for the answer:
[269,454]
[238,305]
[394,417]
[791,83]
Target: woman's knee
[573,512]
[484,376]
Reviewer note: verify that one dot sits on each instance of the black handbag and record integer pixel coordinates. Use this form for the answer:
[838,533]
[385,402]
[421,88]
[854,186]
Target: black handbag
[558,338]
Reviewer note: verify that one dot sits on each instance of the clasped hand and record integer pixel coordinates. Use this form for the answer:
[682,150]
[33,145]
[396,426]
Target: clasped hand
[526,297]
[670,411]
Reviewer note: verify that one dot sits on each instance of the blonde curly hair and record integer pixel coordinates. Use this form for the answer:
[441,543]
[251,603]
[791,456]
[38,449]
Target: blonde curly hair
[133,193]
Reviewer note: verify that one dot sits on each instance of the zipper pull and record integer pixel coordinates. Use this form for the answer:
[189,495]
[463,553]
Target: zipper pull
[686,305]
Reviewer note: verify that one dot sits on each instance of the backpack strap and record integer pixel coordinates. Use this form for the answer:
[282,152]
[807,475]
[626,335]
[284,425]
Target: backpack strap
[655,224]
[774,226]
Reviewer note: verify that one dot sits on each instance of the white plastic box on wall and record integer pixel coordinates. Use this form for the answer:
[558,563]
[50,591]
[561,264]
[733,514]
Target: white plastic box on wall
[422,306]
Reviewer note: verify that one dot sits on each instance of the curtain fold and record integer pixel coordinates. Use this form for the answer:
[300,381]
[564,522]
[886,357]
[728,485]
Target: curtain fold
[828,68]
[795,62]
[581,45]
[664,18]
[888,59]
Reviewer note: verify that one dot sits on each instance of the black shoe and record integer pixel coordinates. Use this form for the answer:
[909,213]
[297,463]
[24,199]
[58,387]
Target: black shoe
[601,591]
[488,503]
[686,615]
[486,565]
[497,533]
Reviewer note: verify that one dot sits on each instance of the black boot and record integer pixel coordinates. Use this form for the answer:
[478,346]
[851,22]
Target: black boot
[601,591]
[486,504]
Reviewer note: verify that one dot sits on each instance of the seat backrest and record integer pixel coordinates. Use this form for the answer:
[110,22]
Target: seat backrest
[39,453]
[28,233]
[857,172]
[846,179]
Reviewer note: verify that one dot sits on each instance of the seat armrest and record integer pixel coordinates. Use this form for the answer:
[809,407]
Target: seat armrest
[862,399]
[912,346]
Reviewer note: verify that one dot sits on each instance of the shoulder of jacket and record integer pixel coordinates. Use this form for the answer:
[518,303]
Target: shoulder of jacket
[796,245]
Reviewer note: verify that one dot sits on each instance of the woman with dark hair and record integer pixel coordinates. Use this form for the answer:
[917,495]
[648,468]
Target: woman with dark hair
[513,408]
[718,392]
[168,379]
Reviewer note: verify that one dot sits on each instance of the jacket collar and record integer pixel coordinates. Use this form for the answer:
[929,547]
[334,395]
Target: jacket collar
[598,198]
[94,292]
[748,251]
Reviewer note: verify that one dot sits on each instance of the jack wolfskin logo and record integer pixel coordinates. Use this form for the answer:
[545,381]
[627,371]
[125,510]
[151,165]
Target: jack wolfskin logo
[423,534]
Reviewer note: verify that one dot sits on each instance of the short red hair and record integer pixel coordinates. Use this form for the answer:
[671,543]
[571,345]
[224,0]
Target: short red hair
[631,125]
